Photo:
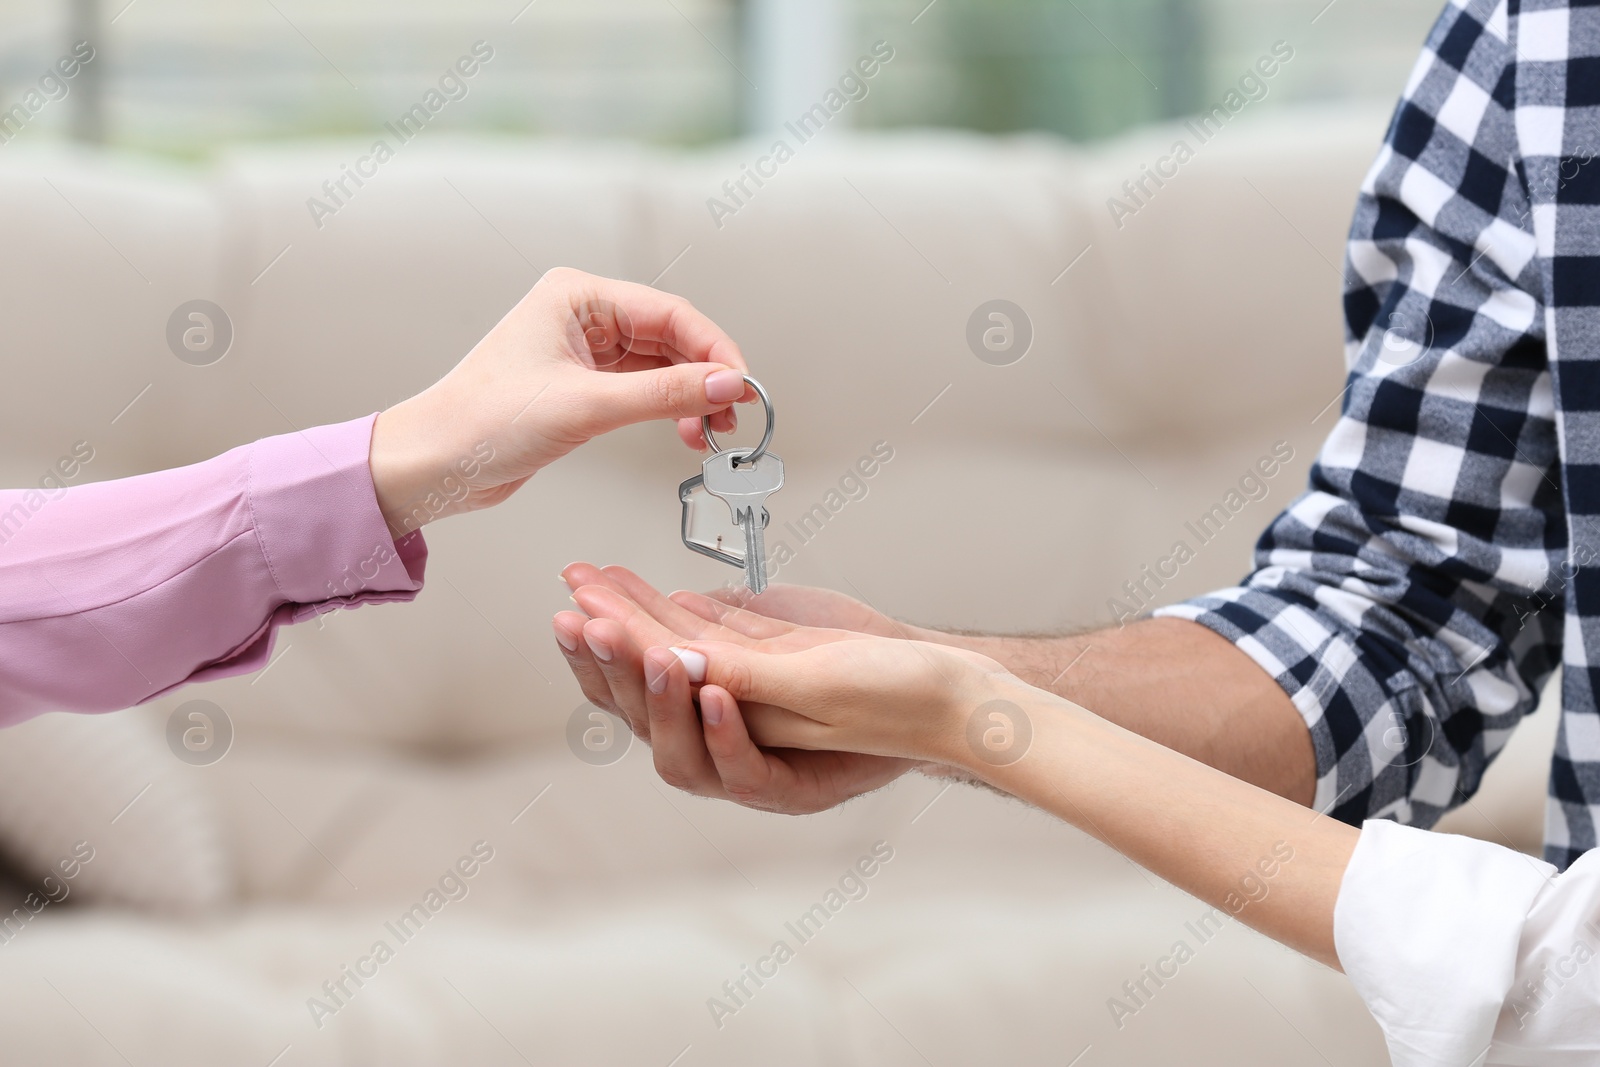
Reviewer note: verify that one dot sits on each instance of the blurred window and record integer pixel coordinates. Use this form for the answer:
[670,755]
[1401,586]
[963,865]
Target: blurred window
[187,76]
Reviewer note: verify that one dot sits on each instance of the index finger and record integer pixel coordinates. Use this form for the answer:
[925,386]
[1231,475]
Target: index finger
[664,609]
[662,325]
[684,334]
[602,602]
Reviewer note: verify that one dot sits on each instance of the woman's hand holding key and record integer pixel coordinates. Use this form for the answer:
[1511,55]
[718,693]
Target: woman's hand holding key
[536,387]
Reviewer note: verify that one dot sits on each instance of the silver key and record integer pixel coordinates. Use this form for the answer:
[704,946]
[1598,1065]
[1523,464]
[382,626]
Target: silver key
[745,487]
[708,526]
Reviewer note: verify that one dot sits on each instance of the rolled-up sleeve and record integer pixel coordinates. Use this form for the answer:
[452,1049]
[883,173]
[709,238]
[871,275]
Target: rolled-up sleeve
[113,593]
[1467,953]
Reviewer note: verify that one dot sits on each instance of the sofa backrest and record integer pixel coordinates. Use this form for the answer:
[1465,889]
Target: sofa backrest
[1172,345]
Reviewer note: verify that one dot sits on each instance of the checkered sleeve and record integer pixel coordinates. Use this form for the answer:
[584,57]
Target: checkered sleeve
[1410,601]
[1557,46]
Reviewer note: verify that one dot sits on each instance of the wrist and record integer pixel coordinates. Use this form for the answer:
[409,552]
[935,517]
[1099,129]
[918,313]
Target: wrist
[960,727]
[1049,662]
[406,471]
[982,723]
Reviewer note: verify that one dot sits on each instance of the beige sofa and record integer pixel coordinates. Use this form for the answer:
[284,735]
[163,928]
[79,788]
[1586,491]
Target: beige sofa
[383,746]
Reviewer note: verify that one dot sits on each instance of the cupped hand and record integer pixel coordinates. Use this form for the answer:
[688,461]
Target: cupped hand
[902,699]
[623,615]
[718,759]
[799,604]
[577,357]
[604,647]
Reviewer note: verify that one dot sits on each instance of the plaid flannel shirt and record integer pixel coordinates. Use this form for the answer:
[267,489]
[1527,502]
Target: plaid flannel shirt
[1416,598]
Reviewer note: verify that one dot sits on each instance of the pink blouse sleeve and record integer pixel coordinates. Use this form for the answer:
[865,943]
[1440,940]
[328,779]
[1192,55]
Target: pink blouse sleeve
[113,593]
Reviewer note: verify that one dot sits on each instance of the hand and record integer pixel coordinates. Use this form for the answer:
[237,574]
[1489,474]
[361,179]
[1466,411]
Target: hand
[624,615]
[604,649]
[801,605]
[534,389]
[905,699]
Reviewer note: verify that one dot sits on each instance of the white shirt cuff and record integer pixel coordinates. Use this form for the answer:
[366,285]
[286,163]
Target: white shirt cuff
[1428,928]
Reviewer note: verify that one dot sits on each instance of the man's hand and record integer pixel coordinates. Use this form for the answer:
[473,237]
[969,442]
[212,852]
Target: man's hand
[801,605]
[577,357]
[605,647]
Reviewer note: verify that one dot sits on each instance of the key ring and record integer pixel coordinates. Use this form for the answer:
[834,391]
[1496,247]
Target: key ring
[766,438]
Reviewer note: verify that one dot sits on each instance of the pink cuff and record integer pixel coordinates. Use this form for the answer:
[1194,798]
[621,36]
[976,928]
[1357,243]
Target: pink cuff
[322,535]
[112,593]
[316,517]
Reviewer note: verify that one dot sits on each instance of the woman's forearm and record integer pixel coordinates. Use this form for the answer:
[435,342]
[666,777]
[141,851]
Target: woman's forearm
[1175,682]
[1455,945]
[1266,860]
[112,593]
[1262,858]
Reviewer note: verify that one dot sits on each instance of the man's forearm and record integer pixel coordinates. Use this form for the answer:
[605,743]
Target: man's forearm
[1176,683]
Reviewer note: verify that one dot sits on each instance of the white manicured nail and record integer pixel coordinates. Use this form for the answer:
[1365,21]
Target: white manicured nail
[693,662]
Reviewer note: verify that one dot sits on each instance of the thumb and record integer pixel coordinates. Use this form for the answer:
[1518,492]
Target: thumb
[680,391]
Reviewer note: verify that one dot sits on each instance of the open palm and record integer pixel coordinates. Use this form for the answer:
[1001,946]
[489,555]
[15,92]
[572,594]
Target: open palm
[792,781]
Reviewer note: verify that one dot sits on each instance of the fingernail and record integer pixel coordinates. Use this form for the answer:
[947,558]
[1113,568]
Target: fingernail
[724,386]
[601,650]
[655,676]
[693,662]
[568,642]
[711,711]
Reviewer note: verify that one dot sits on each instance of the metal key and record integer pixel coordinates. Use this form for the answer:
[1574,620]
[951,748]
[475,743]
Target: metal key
[708,526]
[745,486]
